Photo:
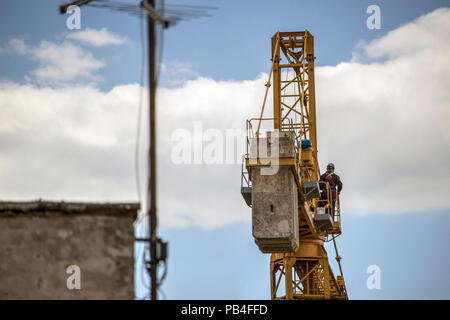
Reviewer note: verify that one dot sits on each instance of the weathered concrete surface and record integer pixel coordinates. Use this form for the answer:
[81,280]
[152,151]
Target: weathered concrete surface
[276,144]
[39,240]
[275,210]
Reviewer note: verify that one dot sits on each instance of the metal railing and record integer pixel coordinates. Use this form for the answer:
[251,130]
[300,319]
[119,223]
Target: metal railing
[286,125]
[328,202]
[245,178]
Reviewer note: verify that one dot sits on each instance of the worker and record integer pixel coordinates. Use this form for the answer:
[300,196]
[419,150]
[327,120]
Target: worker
[333,182]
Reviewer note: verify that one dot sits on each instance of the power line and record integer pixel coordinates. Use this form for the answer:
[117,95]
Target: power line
[162,18]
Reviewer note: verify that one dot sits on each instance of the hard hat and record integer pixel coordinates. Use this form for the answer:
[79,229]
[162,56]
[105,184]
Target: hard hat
[330,165]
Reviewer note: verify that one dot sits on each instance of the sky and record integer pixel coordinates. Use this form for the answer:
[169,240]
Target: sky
[69,101]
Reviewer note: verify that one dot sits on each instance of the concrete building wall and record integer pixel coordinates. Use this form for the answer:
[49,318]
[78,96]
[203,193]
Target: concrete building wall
[40,240]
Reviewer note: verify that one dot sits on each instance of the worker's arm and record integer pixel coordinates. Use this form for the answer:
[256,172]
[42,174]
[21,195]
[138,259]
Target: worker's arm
[338,183]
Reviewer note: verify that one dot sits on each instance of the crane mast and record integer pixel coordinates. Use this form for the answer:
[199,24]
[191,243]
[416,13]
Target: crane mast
[291,217]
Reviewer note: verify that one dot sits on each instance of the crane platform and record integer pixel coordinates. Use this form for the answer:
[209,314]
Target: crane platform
[292,215]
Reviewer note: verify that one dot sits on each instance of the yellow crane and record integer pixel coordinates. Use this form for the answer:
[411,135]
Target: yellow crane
[291,217]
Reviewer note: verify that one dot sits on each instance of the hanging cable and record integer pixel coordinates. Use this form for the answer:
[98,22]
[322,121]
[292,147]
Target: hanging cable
[139,116]
[143,232]
[161,45]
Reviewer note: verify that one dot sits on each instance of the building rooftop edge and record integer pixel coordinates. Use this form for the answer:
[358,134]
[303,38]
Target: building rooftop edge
[11,208]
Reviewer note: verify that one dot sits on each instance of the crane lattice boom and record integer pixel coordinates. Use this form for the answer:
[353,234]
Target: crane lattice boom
[291,217]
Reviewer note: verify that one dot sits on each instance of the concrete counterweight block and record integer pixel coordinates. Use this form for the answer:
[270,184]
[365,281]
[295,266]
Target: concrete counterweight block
[275,210]
[276,144]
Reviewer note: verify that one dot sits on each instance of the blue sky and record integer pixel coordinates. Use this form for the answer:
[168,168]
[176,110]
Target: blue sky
[381,119]
[411,251]
[210,44]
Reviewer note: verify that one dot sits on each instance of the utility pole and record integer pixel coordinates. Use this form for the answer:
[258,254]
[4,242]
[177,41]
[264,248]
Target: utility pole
[158,248]
[151,194]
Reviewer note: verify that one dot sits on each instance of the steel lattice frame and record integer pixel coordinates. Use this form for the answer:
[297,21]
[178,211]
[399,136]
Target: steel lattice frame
[307,273]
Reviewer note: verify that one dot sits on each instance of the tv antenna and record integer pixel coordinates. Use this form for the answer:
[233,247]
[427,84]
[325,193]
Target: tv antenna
[164,15]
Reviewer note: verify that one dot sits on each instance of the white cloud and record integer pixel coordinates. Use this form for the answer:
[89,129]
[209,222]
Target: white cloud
[424,34]
[385,126]
[59,63]
[17,46]
[64,62]
[97,38]
[176,73]
[67,143]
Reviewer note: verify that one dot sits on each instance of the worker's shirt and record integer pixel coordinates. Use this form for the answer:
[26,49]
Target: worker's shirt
[333,180]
